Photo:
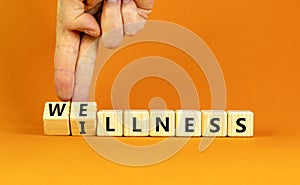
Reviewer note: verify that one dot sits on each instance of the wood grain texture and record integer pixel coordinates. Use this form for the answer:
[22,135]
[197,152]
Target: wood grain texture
[188,123]
[56,118]
[110,123]
[83,118]
[214,123]
[240,123]
[136,123]
[160,119]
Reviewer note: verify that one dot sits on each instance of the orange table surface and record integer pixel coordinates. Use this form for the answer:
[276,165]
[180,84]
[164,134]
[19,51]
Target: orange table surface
[28,157]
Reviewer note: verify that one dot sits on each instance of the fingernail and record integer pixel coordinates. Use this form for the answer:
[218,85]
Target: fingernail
[126,1]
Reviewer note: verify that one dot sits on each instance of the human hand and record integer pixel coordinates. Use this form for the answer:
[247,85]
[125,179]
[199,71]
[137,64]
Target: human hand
[79,23]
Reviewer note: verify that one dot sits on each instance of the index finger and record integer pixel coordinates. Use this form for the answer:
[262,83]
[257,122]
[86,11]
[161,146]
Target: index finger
[66,52]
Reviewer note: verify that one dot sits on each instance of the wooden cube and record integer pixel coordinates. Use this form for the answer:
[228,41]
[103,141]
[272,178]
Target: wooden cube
[56,118]
[83,118]
[162,123]
[136,123]
[110,123]
[214,123]
[188,123]
[240,123]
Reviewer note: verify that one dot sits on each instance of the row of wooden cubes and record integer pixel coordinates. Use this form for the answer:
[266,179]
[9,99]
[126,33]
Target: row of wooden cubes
[83,118]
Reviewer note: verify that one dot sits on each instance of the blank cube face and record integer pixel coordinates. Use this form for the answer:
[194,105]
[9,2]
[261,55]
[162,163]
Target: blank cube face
[83,118]
[240,123]
[110,123]
[214,123]
[188,123]
[56,118]
[136,123]
[162,123]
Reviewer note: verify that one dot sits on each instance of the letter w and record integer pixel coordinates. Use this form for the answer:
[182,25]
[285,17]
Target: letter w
[56,108]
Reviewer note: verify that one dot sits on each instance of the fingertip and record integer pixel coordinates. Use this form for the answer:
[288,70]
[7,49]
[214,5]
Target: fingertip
[131,29]
[93,33]
[63,98]
[63,95]
[64,85]
[113,38]
[133,21]
[110,43]
[81,93]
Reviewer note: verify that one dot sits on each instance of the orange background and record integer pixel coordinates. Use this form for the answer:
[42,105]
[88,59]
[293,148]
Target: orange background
[260,37]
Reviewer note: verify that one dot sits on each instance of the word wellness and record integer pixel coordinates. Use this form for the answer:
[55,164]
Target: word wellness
[83,118]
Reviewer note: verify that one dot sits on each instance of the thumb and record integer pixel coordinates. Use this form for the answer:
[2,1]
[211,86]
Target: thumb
[85,23]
